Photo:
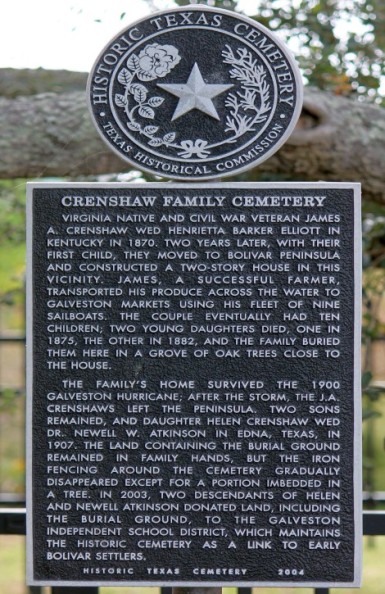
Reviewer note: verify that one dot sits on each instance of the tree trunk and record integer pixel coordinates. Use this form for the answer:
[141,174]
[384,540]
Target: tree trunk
[52,135]
[23,81]
[336,139]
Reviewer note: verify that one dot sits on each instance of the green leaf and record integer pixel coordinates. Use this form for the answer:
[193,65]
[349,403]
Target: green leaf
[370,414]
[374,392]
[366,379]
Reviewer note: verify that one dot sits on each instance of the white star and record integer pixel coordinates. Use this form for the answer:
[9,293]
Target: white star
[195,94]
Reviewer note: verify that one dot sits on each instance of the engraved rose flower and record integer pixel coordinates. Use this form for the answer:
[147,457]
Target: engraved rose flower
[155,61]
[191,148]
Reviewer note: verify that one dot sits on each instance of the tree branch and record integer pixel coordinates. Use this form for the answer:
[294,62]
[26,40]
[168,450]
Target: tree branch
[52,135]
[24,81]
[337,139]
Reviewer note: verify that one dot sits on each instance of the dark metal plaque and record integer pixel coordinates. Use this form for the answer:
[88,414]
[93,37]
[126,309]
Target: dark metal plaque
[195,93]
[194,390]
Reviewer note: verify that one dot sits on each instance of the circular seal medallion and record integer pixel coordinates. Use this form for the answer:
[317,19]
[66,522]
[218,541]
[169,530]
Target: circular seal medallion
[195,93]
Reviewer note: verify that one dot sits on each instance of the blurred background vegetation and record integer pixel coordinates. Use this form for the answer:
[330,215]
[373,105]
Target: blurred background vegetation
[340,47]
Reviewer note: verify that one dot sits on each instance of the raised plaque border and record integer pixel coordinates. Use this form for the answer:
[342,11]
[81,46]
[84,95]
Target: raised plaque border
[198,177]
[357,453]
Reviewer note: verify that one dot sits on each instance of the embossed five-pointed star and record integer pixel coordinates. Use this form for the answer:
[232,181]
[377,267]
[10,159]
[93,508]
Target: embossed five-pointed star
[195,94]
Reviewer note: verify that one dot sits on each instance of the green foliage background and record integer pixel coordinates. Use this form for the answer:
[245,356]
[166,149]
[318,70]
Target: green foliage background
[339,44]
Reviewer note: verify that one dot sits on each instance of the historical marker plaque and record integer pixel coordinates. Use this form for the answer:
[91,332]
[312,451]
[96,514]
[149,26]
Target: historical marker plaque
[195,93]
[194,383]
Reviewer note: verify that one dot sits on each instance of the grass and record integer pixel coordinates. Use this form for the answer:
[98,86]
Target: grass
[12,565]
[377,435]
[12,267]
[12,469]
[12,579]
